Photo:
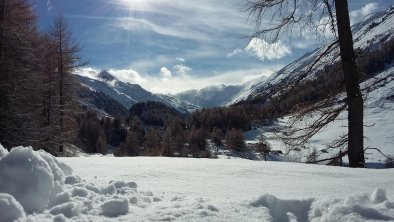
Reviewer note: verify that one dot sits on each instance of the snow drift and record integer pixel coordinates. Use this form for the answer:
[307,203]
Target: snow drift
[35,186]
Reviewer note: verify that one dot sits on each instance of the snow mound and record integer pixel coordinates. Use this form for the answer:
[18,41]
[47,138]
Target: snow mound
[284,210]
[72,180]
[109,190]
[358,207]
[61,198]
[67,209]
[115,207]
[80,192]
[28,177]
[11,209]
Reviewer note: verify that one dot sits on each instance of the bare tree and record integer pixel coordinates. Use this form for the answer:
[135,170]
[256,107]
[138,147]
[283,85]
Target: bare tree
[67,61]
[318,16]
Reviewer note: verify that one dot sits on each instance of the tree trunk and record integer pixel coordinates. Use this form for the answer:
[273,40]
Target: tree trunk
[2,26]
[353,93]
[61,85]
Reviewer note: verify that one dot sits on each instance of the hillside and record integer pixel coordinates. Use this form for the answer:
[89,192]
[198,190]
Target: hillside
[153,113]
[98,101]
[368,35]
[374,42]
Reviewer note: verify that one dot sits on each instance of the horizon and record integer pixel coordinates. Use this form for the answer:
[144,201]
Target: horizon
[172,46]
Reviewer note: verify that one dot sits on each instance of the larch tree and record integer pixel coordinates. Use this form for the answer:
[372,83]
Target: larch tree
[67,61]
[19,122]
[315,15]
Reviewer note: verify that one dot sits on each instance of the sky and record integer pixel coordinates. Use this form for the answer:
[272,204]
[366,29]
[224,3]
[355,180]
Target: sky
[169,46]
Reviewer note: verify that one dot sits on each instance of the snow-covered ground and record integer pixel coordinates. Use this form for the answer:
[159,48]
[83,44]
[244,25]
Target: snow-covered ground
[35,186]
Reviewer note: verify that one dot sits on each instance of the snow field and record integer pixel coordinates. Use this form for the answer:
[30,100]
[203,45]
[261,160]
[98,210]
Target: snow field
[243,190]
[186,190]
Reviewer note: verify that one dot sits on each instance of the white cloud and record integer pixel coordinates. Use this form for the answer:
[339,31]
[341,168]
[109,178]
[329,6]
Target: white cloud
[165,72]
[182,69]
[363,12]
[234,53]
[180,59]
[263,50]
[87,72]
[127,75]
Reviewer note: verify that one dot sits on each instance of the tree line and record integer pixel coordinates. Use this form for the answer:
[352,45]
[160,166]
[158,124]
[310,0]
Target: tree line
[167,133]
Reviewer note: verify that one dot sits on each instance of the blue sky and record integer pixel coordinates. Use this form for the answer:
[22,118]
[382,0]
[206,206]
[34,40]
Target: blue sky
[168,46]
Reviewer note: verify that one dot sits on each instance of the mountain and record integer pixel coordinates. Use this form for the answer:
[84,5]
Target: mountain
[216,96]
[368,35]
[129,94]
[212,96]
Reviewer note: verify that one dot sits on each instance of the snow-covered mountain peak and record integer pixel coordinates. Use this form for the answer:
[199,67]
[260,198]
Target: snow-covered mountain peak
[106,76]
[127,93]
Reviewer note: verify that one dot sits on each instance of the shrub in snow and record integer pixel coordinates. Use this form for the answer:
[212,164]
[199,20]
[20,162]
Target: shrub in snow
[67,209]
[27,176]
[10,209]
[115,207]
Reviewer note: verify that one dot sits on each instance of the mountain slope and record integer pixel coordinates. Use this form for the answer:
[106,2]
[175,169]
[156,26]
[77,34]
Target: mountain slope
[129,94]
[368,35]
[374,38]
[98,101]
